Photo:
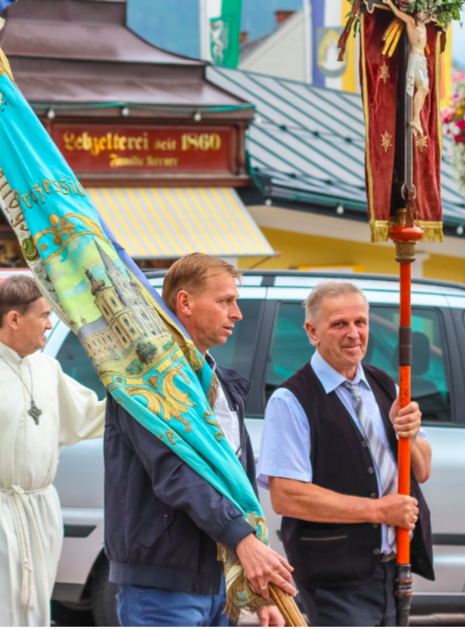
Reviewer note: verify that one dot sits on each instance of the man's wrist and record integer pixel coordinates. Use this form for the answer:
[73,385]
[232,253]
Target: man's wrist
[375,511]
[234,532]
[245,542]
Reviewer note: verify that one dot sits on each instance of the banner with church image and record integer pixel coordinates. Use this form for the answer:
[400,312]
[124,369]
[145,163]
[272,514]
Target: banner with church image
[140,350]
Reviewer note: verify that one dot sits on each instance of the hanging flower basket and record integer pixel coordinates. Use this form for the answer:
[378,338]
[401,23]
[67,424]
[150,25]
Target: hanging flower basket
[454,120]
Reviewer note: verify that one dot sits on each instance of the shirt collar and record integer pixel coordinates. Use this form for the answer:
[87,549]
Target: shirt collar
[210,360]
[9,354]
[332,379]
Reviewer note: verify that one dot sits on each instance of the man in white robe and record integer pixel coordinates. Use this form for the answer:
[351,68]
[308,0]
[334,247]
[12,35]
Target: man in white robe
[31,526]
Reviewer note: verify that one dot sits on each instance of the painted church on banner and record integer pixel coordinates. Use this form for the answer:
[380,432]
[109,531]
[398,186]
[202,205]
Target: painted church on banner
[127,317]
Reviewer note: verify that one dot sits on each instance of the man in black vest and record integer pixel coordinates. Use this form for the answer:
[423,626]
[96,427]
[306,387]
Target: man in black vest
[329,458]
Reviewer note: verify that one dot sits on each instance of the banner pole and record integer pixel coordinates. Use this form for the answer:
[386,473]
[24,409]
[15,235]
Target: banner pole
[405,238]
[287,606]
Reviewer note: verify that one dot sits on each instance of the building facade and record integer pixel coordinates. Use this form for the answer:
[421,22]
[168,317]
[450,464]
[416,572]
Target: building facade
[159,149]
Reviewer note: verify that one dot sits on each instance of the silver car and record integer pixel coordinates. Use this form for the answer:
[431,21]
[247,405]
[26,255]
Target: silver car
[269,345]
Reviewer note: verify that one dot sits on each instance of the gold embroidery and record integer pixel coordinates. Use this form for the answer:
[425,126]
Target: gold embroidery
[220,433]
[170,435]
[153,381]
[66,229]
[62,228]
[386,141]
[170,401]
[384,76]
[30,251]
[421,142]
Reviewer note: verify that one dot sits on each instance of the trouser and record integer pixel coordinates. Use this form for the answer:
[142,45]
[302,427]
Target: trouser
[150,607]
[368,605]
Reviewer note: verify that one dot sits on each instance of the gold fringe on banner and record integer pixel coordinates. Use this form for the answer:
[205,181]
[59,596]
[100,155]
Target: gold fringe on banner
[379,230]
[433,230]
[238,586]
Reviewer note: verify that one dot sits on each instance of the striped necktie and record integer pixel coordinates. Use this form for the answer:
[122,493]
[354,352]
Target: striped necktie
[387,469]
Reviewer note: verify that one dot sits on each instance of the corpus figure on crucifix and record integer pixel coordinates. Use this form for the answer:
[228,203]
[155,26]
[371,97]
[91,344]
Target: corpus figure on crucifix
[417,70]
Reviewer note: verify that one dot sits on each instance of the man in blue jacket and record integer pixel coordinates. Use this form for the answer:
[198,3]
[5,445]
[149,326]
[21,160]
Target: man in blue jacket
[163,520]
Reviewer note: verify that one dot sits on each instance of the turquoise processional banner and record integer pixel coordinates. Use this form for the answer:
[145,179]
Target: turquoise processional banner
[139,349]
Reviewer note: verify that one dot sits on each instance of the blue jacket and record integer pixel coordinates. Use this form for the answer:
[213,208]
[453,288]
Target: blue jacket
[163,520]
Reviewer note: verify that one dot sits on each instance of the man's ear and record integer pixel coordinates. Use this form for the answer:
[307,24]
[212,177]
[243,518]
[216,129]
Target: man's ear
[183,303]
[311,331]
[11,320]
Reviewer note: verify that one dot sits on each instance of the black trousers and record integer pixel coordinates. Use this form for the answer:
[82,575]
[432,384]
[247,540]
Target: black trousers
[369,605]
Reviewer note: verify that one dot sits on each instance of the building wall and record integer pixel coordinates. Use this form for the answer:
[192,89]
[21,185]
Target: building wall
[320,241]
[282,54]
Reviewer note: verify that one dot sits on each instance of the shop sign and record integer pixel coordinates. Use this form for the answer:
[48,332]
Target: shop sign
[105,148]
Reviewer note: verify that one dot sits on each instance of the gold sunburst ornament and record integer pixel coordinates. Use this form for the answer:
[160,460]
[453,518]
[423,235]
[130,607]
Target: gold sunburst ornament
[421,142]
[384,76]
[386,143]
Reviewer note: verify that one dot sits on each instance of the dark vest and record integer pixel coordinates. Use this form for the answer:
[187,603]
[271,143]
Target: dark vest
[331,555]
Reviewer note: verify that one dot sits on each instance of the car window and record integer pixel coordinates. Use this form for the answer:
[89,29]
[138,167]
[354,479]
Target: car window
[290,349]
[238,352]
[75,362]
[430,387]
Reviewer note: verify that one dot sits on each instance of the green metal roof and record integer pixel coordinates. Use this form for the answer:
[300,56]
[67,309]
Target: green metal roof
[307,143]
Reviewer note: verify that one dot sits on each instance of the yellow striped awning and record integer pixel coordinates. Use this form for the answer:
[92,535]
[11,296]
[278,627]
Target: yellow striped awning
[170,222]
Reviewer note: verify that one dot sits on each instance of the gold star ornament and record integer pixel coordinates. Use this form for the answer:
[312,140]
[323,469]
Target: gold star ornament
[386,141]
[384,76]
[421,142]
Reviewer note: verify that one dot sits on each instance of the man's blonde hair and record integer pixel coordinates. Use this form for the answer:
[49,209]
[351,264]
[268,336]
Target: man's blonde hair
[190,273]
[328,289]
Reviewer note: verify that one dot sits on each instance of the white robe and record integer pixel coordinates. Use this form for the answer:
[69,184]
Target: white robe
[31,526]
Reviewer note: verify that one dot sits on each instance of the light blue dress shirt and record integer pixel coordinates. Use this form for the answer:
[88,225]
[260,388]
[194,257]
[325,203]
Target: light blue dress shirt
[286,453]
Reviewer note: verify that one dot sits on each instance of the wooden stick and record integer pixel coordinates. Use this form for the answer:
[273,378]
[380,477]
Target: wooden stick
[287,606]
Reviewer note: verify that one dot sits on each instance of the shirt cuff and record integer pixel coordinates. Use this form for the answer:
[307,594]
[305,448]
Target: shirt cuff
[234,532]
[263,478]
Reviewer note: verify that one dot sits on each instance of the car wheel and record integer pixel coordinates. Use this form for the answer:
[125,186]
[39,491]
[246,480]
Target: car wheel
[66,614]
[103,596]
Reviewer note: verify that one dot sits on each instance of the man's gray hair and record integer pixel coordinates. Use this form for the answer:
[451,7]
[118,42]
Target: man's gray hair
[328,289]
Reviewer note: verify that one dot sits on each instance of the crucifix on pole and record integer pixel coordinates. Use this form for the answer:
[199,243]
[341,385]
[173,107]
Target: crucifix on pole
[400,83]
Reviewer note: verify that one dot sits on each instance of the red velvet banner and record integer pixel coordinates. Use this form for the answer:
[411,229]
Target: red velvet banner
[379,76]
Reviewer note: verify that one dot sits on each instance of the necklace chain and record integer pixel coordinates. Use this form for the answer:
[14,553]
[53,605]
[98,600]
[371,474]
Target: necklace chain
[34,412]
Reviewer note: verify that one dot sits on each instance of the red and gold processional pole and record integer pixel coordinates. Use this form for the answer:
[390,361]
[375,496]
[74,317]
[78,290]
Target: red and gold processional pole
[402,161]
[405,238]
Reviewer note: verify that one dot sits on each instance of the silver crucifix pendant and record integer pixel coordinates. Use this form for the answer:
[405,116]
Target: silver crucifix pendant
[34,412]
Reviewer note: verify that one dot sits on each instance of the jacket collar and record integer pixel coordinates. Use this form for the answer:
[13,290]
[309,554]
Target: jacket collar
[230,379]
